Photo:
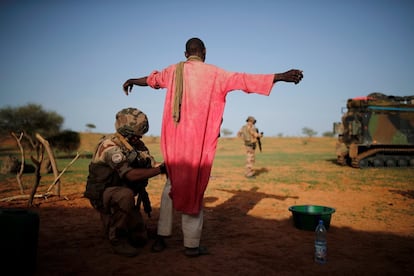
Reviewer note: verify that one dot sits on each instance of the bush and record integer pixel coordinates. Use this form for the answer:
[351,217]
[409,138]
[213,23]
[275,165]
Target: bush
[66,141]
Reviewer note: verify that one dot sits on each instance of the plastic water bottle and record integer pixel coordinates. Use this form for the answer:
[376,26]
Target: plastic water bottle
[320,243]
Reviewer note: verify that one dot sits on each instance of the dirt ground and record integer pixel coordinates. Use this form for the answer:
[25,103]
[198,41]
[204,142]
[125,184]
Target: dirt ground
[248,232]
[248,228]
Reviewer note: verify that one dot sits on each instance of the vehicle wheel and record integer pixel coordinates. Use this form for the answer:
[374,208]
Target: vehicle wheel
[402,162]
[363,163]
[378,163]
[390,163]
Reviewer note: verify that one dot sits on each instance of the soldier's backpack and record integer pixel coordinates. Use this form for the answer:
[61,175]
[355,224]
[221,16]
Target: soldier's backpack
[100,176]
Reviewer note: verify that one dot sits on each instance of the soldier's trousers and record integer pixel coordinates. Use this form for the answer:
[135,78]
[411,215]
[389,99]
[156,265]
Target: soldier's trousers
[121,216]
[250,159]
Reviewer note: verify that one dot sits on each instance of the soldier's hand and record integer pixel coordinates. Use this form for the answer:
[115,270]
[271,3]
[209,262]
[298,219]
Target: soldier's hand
[163,168]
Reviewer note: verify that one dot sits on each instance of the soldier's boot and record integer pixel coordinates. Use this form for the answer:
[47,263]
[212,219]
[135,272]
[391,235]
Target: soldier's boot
[138,238]
[123,248]
[138,235]
[120,244]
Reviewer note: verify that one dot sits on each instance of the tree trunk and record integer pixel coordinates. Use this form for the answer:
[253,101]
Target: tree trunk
[37,164]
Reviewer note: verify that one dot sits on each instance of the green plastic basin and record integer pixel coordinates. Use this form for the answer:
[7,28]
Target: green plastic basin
[306,217]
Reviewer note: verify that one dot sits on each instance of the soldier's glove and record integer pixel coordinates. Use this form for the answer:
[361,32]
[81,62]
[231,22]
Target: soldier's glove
[163,168]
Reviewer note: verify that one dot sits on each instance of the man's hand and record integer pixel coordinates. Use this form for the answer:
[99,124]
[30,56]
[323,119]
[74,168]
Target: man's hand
[293,75]
[131,82]
[128,87]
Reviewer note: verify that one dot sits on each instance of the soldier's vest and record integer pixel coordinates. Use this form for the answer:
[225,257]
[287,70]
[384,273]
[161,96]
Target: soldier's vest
[246,134]
[102,176]
[248,139]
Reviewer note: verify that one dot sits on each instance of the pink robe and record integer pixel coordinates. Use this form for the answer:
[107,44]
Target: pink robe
[189,147]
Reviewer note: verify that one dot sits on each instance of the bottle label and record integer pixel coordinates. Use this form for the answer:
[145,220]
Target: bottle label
[320,253]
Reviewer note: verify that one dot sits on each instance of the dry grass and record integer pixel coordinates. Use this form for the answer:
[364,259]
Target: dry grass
[286,161]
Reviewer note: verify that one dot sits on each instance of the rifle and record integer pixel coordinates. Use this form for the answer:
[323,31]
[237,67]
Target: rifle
[259,142]
[135,161]
[145,200]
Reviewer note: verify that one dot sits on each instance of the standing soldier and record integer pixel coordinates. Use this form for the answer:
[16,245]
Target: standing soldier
[118,175]
[251,137]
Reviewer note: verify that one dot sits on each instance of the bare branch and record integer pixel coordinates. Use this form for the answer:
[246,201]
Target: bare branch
[52,159]
[63,171]
[20,172]
[38,164]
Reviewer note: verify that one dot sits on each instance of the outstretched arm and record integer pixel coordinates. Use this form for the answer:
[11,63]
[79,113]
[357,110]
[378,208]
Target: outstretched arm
[293,75]
[131,82]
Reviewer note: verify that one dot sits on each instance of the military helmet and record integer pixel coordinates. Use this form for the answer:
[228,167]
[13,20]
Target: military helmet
[131,121]
[251,118]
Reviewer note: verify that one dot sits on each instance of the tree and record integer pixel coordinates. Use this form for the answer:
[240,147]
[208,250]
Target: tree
[66,141]
[328,134]
[89,127]
[226,132]
[34,123]
[308,132]
[30,119]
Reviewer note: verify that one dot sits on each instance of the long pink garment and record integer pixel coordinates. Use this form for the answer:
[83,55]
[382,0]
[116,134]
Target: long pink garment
[189,147]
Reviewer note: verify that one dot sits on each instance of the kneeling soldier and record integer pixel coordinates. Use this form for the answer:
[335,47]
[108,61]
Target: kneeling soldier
[118,175]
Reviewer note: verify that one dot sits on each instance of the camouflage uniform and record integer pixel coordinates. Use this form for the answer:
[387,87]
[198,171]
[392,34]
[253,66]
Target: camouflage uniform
[107,188]
[250,135]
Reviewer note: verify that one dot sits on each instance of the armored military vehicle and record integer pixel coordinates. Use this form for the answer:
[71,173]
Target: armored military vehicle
[377,131]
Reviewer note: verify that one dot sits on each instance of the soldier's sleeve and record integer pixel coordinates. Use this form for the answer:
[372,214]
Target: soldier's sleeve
[116,159]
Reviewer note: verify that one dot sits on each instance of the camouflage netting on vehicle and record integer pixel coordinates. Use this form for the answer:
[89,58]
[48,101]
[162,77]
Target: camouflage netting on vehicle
[377,130]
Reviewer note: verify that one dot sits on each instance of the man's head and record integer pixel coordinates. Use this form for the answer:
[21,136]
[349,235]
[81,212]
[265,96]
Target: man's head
[251,119]
[195,47]
[130,122]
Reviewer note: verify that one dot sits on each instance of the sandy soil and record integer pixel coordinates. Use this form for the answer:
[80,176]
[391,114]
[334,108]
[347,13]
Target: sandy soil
[247,227]
[248,232]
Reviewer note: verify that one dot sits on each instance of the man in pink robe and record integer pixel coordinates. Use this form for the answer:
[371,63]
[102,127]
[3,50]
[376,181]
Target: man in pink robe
[193,110]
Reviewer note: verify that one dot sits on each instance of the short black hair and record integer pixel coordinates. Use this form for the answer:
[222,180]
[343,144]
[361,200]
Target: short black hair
[194,45]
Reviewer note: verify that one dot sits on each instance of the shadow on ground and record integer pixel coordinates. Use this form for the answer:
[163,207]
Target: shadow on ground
[71,242]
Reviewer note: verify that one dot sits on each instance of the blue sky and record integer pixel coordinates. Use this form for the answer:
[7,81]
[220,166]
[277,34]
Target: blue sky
[73,56]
